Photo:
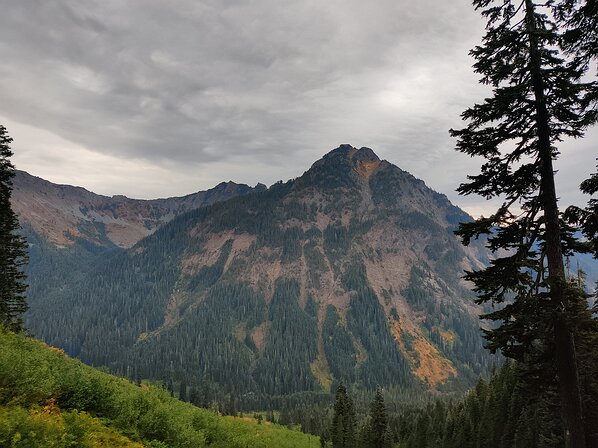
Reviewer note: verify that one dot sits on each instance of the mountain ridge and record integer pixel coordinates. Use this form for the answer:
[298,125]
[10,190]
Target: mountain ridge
[63,213]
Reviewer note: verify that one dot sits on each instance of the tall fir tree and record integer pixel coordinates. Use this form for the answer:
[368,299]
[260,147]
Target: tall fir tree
[538,99]
[13,253]
[342,430]
[379,434]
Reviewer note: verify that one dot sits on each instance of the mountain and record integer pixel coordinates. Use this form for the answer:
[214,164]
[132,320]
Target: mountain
[348,273]
[64,215]
[70,229]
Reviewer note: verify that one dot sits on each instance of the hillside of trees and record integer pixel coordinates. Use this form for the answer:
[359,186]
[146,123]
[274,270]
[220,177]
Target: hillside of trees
[50,400]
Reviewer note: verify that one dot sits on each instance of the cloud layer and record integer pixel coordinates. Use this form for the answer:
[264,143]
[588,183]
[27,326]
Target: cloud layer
[159,98]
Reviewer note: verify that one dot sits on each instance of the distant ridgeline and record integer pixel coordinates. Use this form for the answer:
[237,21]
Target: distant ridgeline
[348,273]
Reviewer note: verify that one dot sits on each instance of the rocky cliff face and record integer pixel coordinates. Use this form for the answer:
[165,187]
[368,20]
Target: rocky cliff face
[350,272]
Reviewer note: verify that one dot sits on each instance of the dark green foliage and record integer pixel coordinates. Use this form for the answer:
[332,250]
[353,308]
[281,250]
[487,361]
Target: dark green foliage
[493,415]
[291,248]
[285,364]
[385,365]
[339,349]
[311,307]
[337,240]
[585,326]
[378,435]
[342,429]
[13,255]
[417,293]
[418,221]
[183,391]
[587,218]
[120,313]
[580,21]
[538,99]
[219,355]
[446,254]
[315,259]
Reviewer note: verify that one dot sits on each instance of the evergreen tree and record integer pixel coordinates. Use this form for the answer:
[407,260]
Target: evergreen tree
[420,435]
[379,433]
[170,387]
[580,19]
[183,392]
[13,253]
[364,436]
[580,41]
[587,218]
[342,429]
[586,331]
[538,99]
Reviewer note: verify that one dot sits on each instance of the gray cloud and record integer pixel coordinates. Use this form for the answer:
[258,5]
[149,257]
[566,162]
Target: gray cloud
[158,98]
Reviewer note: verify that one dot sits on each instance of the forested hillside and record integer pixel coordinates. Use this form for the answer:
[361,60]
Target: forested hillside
[48,400]
[348,273]
[70,229]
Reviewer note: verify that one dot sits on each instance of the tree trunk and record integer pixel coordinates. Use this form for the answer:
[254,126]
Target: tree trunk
[563,339]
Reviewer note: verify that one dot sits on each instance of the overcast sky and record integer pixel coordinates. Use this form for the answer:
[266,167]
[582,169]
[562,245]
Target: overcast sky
[161,98]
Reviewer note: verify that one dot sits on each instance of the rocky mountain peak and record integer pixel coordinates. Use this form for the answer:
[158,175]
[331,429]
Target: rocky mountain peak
[347,153]
[343,167]
[365,154]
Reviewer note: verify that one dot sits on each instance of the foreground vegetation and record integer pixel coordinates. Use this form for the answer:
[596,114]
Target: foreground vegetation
[50,400]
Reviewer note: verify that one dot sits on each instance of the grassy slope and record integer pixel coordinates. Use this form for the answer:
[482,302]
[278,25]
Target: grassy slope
[50,400]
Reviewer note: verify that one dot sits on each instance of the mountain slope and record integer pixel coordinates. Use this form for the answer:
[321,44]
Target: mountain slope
[50,400]
[349,273]
[70,229]
[63,214]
